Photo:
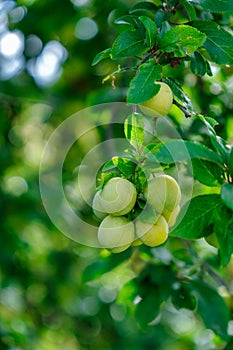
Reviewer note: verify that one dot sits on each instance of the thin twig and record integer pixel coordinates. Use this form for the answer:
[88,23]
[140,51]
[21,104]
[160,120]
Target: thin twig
[215,277]
[205,266]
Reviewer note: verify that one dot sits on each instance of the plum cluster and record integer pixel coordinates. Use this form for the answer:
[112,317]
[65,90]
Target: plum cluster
[118,198]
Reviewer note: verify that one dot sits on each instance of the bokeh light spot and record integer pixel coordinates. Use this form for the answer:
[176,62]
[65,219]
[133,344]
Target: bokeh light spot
[11,297]
[107,294]
[3,22]
[80,2]
[33,45]
[17,14]
[15,185]
[118,312]
[86,29]
[46,68]
[12,44]
[11,67]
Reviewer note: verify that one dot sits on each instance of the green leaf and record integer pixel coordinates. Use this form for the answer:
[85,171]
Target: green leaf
[207,173]
[209,69]
[219,42]
[227,195]
[128,44]
[198,64]
[144,6]
[151,30]
[108,166]
[158,274]
[105,264]
[182,40]
[220,146]
[218,143]
[215,5]
[125,165]
[179,95]
[199,214]
[223,229]
[142,86]
[162,16]
[182,298]
[180,150]
[229,345]
[130,20]
[139,179]
[106,176]
[108,171]
[153,291]
[150,156]
[134,130]
[147,309]
[211,307]
[230,162]
[101,56]
[189,9]
[212,122]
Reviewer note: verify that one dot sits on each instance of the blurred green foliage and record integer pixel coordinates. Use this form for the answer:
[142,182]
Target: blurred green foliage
[55,293]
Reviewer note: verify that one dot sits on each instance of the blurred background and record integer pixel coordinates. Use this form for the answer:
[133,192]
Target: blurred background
[48,298]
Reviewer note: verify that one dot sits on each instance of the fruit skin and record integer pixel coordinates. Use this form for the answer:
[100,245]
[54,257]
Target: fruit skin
[152,235]
[171,216]
[116,233]
[137,242]
[97,207]
[163,192]
[118,196]
[159,104]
